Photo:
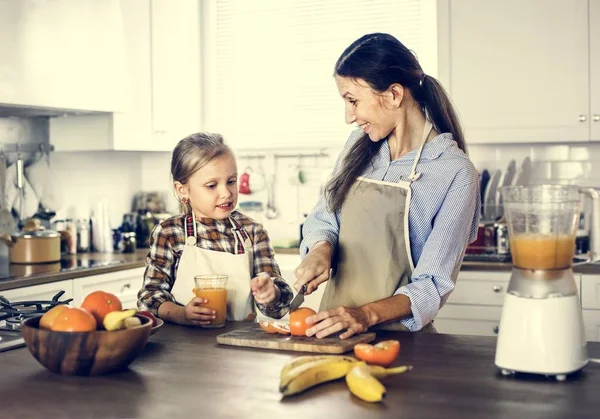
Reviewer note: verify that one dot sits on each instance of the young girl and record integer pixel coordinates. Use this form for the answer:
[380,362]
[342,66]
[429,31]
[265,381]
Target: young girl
[210,232]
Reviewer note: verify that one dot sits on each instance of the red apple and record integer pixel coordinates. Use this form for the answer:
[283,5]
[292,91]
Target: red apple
[148,314]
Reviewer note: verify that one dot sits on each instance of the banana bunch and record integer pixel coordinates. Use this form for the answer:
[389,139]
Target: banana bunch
[362,380]
[304,372]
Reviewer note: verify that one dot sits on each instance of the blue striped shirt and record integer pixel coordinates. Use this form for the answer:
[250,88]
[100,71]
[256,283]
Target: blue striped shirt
[443,218]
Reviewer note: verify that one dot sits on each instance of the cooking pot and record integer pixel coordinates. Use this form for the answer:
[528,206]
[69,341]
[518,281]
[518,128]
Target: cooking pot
[33,244]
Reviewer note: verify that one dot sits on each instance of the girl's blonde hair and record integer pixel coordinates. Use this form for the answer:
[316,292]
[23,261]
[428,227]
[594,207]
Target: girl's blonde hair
[194,152]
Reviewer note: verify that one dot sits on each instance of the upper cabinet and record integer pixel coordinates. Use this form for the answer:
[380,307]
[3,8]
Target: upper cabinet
[519,71]
[62,56]
[162,41]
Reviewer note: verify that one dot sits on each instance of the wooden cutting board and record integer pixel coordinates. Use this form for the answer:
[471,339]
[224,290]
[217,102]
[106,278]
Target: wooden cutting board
[255,337]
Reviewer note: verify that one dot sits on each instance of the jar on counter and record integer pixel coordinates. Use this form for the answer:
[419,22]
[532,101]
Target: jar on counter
[71,229]
[128,242]
[83,235]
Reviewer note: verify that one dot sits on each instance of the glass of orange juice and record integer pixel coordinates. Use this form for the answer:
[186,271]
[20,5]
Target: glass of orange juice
[213,288]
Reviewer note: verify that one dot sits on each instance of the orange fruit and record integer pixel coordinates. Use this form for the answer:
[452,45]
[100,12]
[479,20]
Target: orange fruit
[100,303]
[298,324]
[270,326]
[383,353]
[74,319]
[48,318]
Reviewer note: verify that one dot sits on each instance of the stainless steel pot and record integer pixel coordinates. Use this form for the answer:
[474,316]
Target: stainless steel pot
[33,244]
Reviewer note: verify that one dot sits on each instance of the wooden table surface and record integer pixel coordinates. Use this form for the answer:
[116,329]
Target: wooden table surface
[183,373]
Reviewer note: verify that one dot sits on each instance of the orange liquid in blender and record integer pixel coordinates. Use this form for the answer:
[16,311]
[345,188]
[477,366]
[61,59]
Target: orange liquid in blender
[217,300]
[540,251]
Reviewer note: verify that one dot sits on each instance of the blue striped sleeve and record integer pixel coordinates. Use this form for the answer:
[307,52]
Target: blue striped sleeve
[435,275]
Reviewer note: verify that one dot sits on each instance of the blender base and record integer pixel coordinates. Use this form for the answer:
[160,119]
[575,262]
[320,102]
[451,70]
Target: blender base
[541,336]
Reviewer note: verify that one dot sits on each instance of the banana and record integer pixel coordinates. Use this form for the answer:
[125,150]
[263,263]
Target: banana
[309,374]
[115,319]
[130,322]
[300,360]
[363,383]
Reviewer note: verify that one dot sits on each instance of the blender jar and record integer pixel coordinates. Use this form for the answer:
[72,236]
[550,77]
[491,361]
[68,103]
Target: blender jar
[542,224]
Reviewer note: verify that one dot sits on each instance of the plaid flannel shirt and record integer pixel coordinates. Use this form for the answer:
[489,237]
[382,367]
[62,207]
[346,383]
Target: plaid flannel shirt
[166,247]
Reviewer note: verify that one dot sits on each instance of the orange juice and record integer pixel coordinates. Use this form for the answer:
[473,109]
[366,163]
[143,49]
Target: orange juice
[540,251]
[217,300]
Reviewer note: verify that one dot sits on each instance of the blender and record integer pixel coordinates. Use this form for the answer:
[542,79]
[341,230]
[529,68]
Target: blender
[541,327]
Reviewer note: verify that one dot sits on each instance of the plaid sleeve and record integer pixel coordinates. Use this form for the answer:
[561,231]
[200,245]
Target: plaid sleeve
[159,276]
[264,261]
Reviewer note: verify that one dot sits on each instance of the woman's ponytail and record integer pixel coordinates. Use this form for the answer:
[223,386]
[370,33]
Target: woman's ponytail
[439,107]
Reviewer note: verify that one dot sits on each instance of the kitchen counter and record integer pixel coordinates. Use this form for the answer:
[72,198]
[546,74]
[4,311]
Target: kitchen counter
[17,276]
[183,372]
[71,266]
[590,268]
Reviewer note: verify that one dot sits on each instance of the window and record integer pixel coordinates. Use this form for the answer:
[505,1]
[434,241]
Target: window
[269,65]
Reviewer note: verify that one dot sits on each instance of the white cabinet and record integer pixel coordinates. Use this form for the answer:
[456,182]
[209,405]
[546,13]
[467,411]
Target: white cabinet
[176,75]
[40,292]
[124,284]
[64,55]
[590,304]
[162,41]
[595,69]
[519,70]
[459,319]
[475,305]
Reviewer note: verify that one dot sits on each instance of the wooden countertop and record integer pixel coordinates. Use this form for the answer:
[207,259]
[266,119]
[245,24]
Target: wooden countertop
[183,372]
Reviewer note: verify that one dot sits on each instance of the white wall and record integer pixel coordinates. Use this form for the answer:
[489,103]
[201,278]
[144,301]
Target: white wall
[115,177]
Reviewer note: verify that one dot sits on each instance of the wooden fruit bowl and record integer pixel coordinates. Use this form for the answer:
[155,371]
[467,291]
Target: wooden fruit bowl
[85,353]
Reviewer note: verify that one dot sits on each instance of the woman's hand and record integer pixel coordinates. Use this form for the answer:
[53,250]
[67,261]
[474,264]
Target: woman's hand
[196,314]
[264,289]
[314,269]
[352,320]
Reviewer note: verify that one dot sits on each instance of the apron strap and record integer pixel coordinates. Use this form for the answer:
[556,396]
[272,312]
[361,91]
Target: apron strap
[191,232]
[241,244]
[413,171]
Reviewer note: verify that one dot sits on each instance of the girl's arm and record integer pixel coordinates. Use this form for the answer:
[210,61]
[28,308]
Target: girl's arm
[264,261]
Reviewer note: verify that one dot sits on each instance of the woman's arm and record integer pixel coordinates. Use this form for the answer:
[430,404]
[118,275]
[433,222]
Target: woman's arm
[417,303]
[435,275]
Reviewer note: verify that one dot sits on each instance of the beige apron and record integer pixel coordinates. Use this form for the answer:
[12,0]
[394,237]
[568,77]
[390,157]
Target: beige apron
[374,257]
[238,268]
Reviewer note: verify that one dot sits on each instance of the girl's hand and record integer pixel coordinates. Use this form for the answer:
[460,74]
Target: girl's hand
[352,320]
[196,314]
[264,289]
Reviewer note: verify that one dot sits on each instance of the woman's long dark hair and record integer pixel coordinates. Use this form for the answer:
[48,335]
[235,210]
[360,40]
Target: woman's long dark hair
[381,60]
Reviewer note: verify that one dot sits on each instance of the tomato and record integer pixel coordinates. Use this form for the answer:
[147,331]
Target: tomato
[74,319]
[270,326]
[48,318]
[148,314]
[382,353]
[298,324]
[100,303]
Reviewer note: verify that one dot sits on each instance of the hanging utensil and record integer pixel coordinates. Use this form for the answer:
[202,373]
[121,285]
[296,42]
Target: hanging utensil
[272,211]
[7,222]
[20,186]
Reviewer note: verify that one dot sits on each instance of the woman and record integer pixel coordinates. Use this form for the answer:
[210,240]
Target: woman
[403,202]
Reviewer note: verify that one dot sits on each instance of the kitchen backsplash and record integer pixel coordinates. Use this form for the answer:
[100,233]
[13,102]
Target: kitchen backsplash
[114,177]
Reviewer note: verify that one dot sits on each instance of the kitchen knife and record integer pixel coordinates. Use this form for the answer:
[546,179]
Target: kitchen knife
[298,299]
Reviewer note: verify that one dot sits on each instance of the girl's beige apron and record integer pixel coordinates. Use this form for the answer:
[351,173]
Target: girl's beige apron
[238,268]
[374,257]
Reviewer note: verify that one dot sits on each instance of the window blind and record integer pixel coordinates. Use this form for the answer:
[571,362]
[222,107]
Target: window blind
[272,65]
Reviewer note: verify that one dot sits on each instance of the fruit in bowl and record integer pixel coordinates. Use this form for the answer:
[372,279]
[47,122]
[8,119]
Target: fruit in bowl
[91,352]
